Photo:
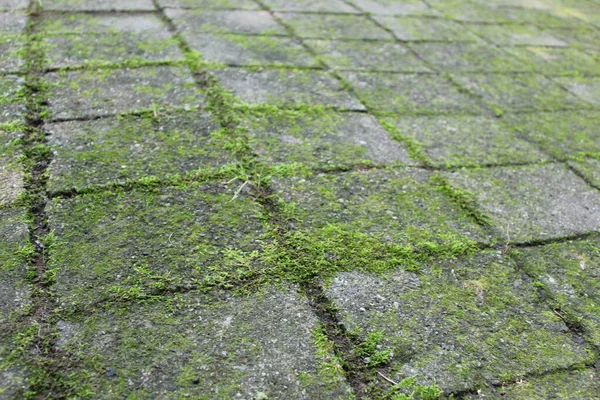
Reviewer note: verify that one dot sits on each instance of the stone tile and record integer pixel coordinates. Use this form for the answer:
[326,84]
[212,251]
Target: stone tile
[13,371]
[206,346]
[533,202]
[397,206]
[109,150]
[393,7]
[333,26]
[584,39]
[12,23]
[127,245]
[468,57]
[411,28]
[461,323]
[589,168]
[586,88]
[568,274]
[563,135]
[11,171]
[11,50]
[244,50]
[238,21]
[322,140]
[519,92]
[105,23]
[9,5]
[557,60]
[518,35]
[367,56]
[211,4]
[98,5]
[10,109]
[408,93]
[90,93]
[337,6]
[286,88]
[467,141]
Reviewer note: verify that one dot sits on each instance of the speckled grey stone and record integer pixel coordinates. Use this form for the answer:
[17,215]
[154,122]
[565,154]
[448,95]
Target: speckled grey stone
[10,108]
[211,4]
[222,21]
[333,26]
[98,5]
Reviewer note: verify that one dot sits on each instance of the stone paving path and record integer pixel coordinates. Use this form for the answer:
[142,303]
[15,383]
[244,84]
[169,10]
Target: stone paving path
[299,199]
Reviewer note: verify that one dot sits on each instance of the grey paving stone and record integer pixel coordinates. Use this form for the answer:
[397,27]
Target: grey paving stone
[589,168]
[412,28]
[468,57]
[127,245]
[10,108]
[467,141]
[221,21]
[98,5]
[245,50]
[533,202]
[104,23]
[519,92]
[557,60]
[367,56]
[568,274]
[100,92]
[586,88]
[9,5]
[393,7]
[338,6]
[11,53]
[585,39]
[109,150]
[518,35]
[408,93]
[11,170]
[12,23]
[459,324]
[398,206]
[13,372]
[563,135]
[333,26]
[211,4]
[260,346]
[286,88]
[322,140]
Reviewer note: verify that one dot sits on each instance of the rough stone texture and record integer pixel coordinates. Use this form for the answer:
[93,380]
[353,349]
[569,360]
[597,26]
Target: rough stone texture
[109,150]
[334,6]
[76,94]
[586,39]
[98,5]
[282,87]
[205,346]
[367,56]
[534,202]
[333,26]
[408,93]
[237,21]
[393,7]
[411,28]
[246,50]
[10,5]
[12,23]
[557,60]
[462,322]
[10,109]
[323,140]
[211,4]
[517,35]
[590,169]
[586,88]
[11,49]
[126,244]
[13,373]
[467,141]
[11,171]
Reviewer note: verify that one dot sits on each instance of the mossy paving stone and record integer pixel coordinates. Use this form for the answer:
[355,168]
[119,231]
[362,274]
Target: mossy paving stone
[337,6]
[103,23]
[211,4]
[586,88]
[205,346]
[467,141]
[10,108]
[367,56]
[103,151]
[414,28]
[11,50]
[333,26]
[92,93]
[12,23]
[532,203]
[225,21]
[516,34]
[519,92]
[126,245]
[569,275]
[564,135]
[557,60]
[460,324]
[98,5]
[9,5]
[393,7]
[589,168]
[13,369]
[249,50]
[409,93]
[584,39]
[322,140]
[286,88]
[468,57]
[11,171]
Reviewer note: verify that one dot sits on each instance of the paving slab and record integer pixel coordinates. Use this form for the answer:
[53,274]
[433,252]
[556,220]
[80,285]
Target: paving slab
[367,56]
[225,21]
[93,93]
[211,4]
[557,60]
[586,88]
[585,39]
[322,140]
[333,26]
[413,28]
[126,245]
[518,35]
[218,346]
[108,150]
[12,23]
[98,5]
[286,87]
[519,92]
[11,53]
[11,170]
[409,93]
[460,324]
[568,273]
[249,50]
[332,6]
[10,107]
[451,141]
[10,5]
[13,372]
[532,203]
[589,168]
[393,7]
